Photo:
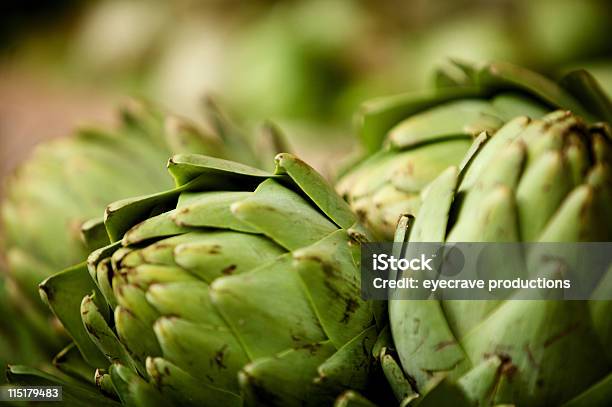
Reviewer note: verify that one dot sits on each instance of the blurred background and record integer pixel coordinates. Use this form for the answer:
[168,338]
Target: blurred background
[303,64]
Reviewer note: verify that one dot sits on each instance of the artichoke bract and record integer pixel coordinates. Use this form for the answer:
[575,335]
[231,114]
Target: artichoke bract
[70,180]
[411,138]
[535,180]
[237,286]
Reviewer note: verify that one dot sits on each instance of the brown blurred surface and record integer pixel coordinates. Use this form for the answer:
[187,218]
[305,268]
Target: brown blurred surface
[33,109]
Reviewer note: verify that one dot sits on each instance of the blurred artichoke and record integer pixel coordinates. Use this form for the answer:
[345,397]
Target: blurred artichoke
[299,52]
[557,32]
[70,180]
[542,180]
[237,286]
[415,136]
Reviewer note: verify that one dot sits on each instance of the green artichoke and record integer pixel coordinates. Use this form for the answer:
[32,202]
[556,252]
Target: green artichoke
[535,180]
[411,138]
[237,286]
[300,53]
[70,180]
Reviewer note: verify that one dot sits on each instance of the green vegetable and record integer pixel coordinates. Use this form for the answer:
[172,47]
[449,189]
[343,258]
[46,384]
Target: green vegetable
[236,286]
[411,138]
[70,180]
[535,180]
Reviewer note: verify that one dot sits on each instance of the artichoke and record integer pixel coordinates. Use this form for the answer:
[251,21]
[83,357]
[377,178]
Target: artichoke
[411,138]
[535,180]
[238,286]
[300,52]
[70,180]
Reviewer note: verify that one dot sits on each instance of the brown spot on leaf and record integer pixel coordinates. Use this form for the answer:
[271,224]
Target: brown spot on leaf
[229,270]
[219,356]
[311,347]
[362,215]
[214,249]
[409,168]
[356,237]
[561,334]
[507,368]
[441,345]
[91,330]
[332,275]
[417,326]
[350,307]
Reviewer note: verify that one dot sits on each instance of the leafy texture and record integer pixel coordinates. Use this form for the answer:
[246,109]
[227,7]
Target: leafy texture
[411,138]
[68,181]
[236,286]
[535,180]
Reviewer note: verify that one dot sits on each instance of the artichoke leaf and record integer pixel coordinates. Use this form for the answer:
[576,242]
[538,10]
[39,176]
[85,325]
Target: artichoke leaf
[63,293]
